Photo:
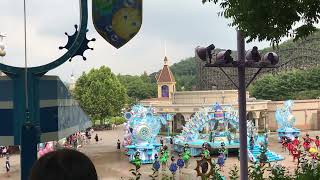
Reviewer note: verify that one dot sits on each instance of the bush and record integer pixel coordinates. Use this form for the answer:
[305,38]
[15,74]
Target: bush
[117,120]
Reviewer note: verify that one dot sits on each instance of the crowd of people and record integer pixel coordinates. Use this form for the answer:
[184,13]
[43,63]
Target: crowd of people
[79,139]
[295,147]
[162,159]
[166,160]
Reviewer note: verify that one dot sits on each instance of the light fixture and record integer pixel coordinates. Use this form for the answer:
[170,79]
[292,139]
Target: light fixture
[205,53]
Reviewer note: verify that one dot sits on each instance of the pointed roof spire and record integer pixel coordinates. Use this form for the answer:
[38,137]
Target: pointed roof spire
[165,74]
[166,61]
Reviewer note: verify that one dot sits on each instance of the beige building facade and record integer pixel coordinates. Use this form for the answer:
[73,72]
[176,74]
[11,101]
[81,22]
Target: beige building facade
[183,104]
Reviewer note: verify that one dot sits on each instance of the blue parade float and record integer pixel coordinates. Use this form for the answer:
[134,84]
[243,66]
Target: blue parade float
[223,126]
[141,130]
[285,121]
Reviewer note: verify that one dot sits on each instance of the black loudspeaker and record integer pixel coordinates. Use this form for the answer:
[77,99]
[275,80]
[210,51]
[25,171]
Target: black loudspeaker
[201,52]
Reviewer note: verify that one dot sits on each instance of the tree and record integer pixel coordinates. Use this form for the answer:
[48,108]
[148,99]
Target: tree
[185,73]
[100,93]
[295,84]
[271,20]
[138,87]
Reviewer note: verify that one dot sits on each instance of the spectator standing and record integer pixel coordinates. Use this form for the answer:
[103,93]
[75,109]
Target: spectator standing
[4,150]
[118,144]
[221,161]
[7,164]
[96,138]
[91,131]
[1,154]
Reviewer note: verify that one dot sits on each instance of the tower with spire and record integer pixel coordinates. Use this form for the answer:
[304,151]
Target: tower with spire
[72,83]
[165,81]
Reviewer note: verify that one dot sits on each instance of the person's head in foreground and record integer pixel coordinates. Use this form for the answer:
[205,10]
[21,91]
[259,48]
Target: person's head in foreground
[64,164]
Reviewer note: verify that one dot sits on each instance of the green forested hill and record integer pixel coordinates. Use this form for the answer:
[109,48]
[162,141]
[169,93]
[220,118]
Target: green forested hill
[185,70]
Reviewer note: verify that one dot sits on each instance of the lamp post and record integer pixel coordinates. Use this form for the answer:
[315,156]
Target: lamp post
[251,59]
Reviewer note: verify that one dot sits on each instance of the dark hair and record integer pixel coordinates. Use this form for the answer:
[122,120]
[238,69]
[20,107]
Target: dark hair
[172,158]
[64,164]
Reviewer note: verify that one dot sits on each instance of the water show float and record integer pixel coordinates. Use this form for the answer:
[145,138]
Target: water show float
[285,121]
[222,125]
[141,130]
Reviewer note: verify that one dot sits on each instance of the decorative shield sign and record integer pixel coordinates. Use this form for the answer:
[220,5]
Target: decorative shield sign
[117,21]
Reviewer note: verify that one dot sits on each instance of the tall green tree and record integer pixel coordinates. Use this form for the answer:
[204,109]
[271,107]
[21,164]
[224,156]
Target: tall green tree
[271,20]
[138,87]
[100,93]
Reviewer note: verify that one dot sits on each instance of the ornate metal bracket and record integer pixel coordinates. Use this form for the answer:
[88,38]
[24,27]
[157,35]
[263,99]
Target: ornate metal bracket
[76,47]
[84,46]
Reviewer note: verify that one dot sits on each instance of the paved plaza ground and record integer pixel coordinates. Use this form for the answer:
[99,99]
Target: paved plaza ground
[113,164]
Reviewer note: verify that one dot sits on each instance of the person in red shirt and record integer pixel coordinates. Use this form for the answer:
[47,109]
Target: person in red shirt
[290,147]
[296,141]
[296,153]
[307,143]
[317,142]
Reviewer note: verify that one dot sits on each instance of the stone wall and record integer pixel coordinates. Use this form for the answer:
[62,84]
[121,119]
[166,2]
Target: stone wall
[206,97]
[306,113]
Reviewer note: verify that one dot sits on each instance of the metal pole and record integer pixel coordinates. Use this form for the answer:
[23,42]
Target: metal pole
[30,128]
[242,108]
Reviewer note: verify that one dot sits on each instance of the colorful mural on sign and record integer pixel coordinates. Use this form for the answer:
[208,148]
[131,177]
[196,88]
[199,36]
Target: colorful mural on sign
[117,21]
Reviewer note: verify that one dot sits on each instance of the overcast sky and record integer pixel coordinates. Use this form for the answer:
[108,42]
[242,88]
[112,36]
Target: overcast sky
[182,24]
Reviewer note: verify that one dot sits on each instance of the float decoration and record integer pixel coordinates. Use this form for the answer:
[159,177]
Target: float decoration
[141,130]
[223,131]
[223,128]
[286,120]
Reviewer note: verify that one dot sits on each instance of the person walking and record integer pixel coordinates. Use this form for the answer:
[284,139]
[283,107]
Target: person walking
[161,141]
[221,161]
[118,144]
[96,138]
[7,164]
[173,167]
[180,163]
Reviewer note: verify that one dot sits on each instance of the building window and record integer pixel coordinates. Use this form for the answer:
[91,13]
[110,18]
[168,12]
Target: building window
[165,91]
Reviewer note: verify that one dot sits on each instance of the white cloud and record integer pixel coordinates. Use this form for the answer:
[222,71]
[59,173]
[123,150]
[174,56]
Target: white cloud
[183,24]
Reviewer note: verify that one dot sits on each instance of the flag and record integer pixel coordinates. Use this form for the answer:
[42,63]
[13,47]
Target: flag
[117,21]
